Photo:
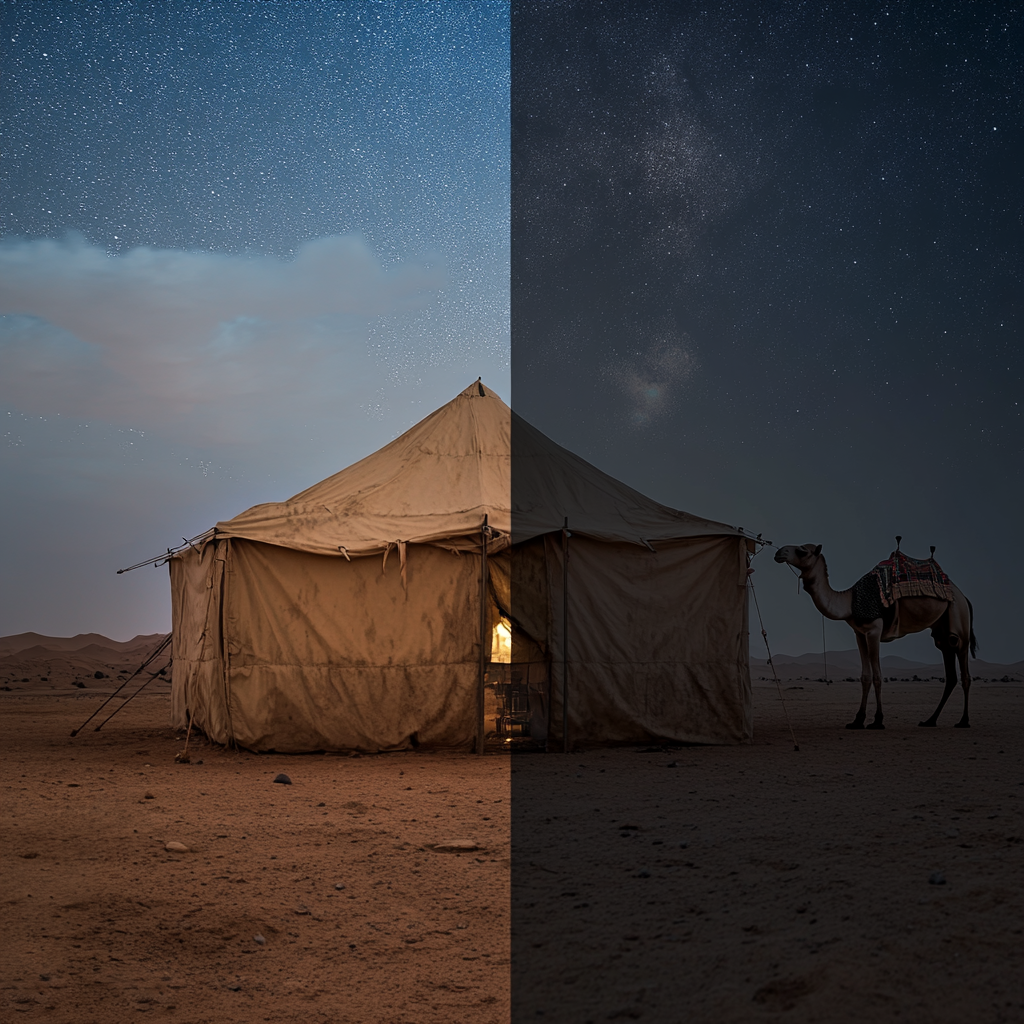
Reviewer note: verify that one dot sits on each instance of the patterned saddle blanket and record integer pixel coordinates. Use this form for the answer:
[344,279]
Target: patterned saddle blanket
[902,576]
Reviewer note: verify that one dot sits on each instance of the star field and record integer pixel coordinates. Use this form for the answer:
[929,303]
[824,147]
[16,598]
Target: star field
[241,246]
[252,127]
[816,212]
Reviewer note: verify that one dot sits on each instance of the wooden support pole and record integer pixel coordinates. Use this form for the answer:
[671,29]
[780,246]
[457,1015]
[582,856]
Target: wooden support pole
[484,638]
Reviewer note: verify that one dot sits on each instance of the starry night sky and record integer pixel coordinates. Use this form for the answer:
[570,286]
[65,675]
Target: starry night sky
[766,267]
[241,246]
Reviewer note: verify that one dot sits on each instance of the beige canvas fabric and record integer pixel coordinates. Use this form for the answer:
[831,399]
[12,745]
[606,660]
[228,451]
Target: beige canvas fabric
[658,646]
[552,484]
[435,483]
[327,654]
[348,617]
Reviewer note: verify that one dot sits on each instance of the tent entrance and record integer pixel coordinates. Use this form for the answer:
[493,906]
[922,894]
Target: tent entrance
[520,689]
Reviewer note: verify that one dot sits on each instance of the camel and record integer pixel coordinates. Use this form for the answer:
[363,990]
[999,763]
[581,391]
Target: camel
[951,624]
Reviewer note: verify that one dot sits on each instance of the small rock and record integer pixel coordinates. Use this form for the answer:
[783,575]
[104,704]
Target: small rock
[149,796]
[672,764]
[259,939]
[31,855]
[340,886]
[321,804]
[456,846]
[936,878]
[643,874]
[283,779]
[175,847]
[234,988]
[301,909]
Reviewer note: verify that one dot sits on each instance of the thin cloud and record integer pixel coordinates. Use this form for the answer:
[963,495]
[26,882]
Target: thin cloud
[216,345]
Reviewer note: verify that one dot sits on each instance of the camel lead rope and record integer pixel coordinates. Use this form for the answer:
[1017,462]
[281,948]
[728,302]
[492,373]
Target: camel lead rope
[771,662]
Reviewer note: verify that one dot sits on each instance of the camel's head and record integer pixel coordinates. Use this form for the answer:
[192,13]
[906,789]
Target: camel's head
[801,556]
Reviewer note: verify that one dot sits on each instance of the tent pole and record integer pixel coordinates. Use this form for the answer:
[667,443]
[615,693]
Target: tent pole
[565,636]
[484,531]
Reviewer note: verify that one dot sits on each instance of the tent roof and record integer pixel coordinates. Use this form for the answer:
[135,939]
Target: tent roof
[438,480]
[551,484]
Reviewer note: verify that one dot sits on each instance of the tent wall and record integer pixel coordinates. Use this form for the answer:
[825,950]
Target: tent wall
[658,646]
[197,578]
[321,653]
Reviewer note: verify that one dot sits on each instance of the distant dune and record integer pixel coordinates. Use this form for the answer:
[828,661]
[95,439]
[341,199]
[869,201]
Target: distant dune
[33,663]
[24,641]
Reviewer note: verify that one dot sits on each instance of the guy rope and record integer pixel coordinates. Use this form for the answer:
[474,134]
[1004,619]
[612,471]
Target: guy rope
[764,634]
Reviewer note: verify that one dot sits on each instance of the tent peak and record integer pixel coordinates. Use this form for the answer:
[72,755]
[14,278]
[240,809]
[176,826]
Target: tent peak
[478,390]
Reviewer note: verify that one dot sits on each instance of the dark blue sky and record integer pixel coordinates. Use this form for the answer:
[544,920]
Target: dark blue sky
[278,235]
[767,268]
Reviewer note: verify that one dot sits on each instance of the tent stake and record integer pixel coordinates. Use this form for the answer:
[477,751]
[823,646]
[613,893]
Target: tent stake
[484,531]
[565,636]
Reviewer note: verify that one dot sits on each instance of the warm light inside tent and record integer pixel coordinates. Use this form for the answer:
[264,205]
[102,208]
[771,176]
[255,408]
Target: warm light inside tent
[501,642]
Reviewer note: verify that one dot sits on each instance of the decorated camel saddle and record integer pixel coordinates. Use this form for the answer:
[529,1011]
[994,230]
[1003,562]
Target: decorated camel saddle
[902,576]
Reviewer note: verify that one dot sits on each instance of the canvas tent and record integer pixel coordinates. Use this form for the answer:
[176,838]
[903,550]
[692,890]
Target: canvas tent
[360,614]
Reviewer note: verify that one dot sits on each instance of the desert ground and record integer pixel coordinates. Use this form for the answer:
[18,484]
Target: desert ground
[867,876]
[361,918]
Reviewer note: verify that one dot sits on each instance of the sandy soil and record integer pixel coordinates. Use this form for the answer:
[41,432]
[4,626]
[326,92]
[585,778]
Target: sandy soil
[101,923]
[716,885]
[701,884]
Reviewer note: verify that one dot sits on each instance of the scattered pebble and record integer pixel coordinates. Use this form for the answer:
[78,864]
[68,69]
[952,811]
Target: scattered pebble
[149,796]
[283,779]
[234,988]
[936,878]
[456,846]
[321,804]
[259,939]
[175,847]
[672,764]
[31,855]
[340,886]
[301,909]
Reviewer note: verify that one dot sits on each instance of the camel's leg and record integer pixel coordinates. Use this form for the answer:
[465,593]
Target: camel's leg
[873,640]
[949,661]
[865,681]
[965,681]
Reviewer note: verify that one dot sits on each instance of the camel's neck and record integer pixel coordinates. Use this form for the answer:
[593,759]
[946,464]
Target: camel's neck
[833,604]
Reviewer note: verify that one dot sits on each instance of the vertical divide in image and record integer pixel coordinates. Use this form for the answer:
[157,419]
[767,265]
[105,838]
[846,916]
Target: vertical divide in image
[628,618]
